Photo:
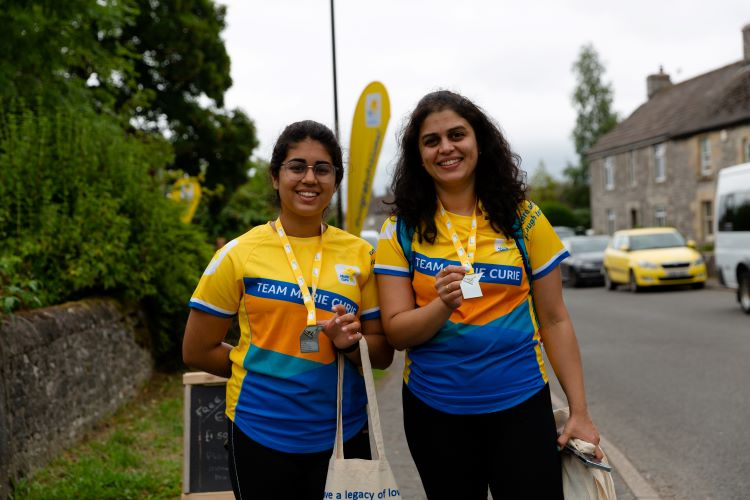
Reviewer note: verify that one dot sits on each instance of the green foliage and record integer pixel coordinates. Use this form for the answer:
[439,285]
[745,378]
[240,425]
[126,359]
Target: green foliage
[558,214]
[592,101]
[136,453]
[543,186]
[81,214]
[251,204]
[182,63]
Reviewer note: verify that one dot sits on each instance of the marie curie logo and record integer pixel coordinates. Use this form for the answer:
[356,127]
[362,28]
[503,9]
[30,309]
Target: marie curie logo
[373,109]
[347,274]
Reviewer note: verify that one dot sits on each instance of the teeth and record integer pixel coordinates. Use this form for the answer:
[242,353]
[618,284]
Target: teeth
[307,193]
[448,163]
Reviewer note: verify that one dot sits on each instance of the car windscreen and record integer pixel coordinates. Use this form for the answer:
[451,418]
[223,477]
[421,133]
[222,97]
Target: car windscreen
[588,245]
[657,240]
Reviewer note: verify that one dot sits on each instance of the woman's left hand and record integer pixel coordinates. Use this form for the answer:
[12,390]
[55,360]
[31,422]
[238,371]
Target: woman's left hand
[343,329]
[580,426]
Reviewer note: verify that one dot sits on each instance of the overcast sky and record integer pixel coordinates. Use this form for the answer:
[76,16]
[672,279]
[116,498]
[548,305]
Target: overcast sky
[513,58]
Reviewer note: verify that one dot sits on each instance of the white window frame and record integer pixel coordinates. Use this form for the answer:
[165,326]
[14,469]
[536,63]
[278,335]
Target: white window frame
[705,147]
[660,216]
[707,208]
[632,179]
[609,173]
[660,163]
[611,221]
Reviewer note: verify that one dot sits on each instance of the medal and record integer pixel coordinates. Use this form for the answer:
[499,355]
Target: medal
[308,339]
[470,288]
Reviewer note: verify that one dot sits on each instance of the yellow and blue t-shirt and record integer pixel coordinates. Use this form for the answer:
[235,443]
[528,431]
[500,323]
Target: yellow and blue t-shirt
[280,397]
[488,356]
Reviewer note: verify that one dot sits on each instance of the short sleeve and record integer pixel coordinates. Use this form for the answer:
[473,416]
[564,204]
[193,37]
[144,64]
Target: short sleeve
[219,290]
[370,302]
[389,258]
[544,247]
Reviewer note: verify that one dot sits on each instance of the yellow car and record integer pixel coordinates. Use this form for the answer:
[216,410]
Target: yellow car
[652,256]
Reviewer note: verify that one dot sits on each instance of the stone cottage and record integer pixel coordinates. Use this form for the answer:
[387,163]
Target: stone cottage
[659,166]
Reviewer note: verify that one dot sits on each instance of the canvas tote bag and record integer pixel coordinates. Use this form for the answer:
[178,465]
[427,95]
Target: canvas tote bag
[355,477]
[581,482]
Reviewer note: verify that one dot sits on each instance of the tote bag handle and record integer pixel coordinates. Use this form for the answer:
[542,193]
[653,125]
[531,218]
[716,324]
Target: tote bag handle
[373,416]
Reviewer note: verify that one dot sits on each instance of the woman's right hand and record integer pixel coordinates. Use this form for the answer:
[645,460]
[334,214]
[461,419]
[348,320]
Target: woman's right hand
[448,286]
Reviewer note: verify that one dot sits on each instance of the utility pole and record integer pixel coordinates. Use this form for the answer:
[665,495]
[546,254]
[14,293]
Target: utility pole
[339,206]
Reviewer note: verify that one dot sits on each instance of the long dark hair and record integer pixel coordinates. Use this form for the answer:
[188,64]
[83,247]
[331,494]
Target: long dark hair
[499,185]
[298,132]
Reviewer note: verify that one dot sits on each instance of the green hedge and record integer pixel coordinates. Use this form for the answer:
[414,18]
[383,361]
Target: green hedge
[82,213]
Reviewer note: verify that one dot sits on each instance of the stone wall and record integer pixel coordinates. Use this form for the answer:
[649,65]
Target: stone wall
[62,369]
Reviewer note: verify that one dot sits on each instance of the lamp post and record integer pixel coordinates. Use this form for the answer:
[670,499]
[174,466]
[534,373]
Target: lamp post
[339,207]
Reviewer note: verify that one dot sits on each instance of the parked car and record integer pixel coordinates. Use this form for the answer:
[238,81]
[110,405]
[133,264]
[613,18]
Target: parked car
[651,257]
[564,231]
[732,232]
[584,266]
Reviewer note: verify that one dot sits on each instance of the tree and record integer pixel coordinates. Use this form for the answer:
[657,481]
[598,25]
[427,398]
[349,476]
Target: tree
[543,186]
[592,100]
[183,65]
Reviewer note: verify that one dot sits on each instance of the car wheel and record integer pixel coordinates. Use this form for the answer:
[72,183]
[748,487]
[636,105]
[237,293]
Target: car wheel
[608,281]
[743,291]
[633,284]
[573,280]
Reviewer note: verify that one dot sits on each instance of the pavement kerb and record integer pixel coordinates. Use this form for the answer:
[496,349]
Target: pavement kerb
[633,479]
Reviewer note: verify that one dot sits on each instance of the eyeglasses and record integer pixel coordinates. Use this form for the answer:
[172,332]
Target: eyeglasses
[296,170]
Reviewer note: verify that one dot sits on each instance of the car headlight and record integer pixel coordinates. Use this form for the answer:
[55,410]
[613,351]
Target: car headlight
[698,261]
[647,265]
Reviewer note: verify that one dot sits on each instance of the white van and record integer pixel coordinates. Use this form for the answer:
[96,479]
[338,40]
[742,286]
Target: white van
[732,230]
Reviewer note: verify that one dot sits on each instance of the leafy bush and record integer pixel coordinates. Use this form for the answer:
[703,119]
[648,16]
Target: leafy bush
[558,214]
[81,213]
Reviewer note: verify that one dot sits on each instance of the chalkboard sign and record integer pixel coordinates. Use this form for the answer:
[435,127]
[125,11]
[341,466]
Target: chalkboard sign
[205,468]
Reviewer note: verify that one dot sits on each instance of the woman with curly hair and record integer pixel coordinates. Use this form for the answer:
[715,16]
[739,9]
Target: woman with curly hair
[455,266]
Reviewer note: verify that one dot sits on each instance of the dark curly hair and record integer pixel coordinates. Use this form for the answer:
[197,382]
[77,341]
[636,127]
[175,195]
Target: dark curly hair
[499,184]
[298,132]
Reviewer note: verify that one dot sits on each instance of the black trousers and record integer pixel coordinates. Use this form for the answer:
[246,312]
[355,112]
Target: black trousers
[258,472]
[513,452]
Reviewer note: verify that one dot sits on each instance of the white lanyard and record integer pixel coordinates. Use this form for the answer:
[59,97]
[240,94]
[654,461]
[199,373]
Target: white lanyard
[466,257]
[307,299]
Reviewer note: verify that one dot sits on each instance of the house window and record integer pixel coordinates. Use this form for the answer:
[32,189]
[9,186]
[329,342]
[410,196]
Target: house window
[609,173]
[747,150]
[631,168]
[707,208]
[660,167]
[705,156]
[660,217]
[611,220]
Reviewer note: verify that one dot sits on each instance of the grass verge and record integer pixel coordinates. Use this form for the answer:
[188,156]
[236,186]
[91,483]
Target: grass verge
[134,454]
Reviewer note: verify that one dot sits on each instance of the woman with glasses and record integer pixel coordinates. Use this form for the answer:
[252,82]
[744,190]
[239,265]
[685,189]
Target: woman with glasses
[455,266]
[302,291]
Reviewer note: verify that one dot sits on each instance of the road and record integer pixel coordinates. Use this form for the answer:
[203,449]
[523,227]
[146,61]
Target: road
[667,382]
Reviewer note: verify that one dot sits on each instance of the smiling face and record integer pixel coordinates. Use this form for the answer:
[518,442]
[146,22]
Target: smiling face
[304,200]
[448,147]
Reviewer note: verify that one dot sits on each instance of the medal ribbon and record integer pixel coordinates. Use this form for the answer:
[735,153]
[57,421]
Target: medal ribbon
[466,257]
[307,299]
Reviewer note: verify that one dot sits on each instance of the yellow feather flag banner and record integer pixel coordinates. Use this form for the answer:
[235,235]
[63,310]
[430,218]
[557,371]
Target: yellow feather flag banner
[187,192]
[368,131]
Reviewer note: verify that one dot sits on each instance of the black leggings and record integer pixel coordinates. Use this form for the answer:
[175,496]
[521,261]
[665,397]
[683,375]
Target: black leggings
[258,472]
[513,451]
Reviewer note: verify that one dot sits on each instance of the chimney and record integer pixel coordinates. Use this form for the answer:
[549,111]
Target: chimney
[658,82]
[746,42]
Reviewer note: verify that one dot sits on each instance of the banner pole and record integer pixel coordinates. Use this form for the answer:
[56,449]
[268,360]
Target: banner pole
[339,207]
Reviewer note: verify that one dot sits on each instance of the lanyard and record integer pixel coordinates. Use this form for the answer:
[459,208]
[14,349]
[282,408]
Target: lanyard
[307,299]
[466,258]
